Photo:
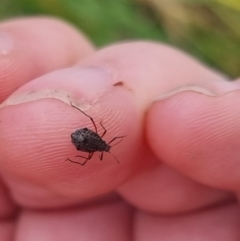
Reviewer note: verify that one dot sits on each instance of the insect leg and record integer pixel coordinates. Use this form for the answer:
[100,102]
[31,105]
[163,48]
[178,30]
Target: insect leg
[86,159]
[114,157]
[117,137]
[85,115]
[105,131]
[101,156]
[74,161]
[84,156]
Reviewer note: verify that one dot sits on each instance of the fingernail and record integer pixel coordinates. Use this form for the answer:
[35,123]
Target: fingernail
[68,85]
[6,44]
[194,88]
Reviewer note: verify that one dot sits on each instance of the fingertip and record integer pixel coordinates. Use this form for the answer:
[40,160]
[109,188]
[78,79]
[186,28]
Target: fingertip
[37,122]
[30,47]
[198,135]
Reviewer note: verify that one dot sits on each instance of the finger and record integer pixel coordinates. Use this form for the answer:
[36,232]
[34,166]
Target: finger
[7,207]
[102,222]
[204,136]
[7,229]
[39,163]
[31,47]
[221,223]
[160,189]
[152,70]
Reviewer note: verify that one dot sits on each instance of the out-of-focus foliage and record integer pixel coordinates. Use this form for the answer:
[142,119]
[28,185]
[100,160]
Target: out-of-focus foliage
[104,21]
[208,29]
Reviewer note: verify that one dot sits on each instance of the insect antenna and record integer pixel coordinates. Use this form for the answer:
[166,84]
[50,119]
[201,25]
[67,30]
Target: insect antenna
[85,115]
[114,157]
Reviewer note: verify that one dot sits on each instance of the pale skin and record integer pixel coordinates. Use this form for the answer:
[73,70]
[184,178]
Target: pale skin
[179,172]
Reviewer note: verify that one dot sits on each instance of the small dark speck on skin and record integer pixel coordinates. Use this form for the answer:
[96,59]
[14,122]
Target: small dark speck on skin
[120,83]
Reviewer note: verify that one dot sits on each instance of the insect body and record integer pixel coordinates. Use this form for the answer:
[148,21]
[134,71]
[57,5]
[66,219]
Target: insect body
[90,141]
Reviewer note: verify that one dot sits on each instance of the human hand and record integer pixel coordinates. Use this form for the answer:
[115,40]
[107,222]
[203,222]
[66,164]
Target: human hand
[179,171]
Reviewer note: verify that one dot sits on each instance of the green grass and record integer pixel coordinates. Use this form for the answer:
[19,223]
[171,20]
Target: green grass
[104,21]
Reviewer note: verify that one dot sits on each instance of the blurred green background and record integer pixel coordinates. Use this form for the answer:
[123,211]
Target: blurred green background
[207,29]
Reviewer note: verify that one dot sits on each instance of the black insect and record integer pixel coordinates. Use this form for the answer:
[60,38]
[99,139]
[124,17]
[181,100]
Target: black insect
[90,141]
